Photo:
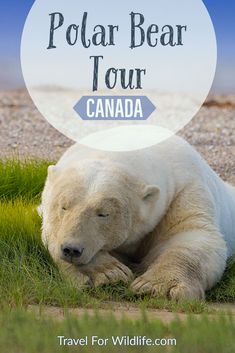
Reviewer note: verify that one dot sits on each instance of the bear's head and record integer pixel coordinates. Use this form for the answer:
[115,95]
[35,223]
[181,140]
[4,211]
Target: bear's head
[94,207]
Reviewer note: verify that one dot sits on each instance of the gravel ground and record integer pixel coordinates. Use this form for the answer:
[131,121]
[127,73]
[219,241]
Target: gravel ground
[120,310]
[24,132]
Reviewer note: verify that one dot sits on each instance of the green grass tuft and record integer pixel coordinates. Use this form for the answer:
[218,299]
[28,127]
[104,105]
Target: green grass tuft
[22,179]
[224,291]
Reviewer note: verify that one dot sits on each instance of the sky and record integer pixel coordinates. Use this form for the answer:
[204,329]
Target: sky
[13,14]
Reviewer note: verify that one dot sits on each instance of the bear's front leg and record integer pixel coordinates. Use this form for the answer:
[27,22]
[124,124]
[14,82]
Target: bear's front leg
[102,269]
[189,263]
[105,269]
[71,272]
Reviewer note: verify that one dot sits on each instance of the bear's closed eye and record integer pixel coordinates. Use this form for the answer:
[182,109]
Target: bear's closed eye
[104,215]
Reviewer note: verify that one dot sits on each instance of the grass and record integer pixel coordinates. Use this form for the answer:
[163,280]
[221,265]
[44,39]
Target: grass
[225,290]
[27,273]
[32,334]
[22,178]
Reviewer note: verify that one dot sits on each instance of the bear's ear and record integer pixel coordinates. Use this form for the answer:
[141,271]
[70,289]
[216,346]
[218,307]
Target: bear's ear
[150,192]
[51,171]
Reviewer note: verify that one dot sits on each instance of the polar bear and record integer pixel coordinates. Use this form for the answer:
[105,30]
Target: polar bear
[158,218]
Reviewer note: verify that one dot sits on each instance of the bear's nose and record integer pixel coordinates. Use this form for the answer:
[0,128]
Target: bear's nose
[71,251]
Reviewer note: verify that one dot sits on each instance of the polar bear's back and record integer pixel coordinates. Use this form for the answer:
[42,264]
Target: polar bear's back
[145,163]
[173,159]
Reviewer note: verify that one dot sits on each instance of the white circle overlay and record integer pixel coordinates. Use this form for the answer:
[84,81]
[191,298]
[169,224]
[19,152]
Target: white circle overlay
[178,75]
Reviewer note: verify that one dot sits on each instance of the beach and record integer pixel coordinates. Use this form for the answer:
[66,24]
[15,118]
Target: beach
[25,133]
